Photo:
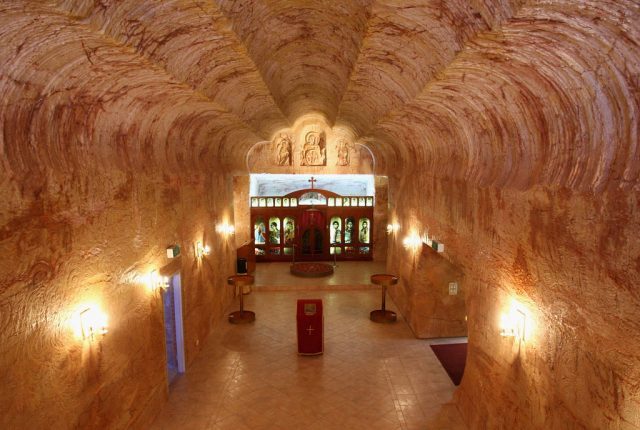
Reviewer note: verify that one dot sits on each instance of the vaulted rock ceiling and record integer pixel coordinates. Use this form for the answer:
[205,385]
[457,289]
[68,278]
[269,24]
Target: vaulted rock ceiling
[502,92]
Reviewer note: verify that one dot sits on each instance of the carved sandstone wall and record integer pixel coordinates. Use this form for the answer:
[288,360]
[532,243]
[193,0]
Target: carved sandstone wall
[525,164]
[89,242]
[509,128]
[571,260]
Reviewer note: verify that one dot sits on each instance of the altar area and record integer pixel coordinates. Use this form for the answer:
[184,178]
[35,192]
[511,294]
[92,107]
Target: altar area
[275,276]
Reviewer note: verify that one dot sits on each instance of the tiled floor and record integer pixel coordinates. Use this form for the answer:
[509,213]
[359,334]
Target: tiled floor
[371,376]
[355,274]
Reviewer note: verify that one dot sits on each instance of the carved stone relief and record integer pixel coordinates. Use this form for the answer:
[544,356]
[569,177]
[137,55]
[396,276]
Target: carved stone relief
[283,145]
[343,149]
[314,152]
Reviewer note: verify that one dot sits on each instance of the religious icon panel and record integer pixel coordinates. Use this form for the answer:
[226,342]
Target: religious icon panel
[289,230]
[312,224]
[335,232]
[348,229]
[363,235]
[274,231]
[259,231]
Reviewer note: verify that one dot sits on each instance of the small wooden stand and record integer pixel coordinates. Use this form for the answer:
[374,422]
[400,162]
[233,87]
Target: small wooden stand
[241,316]
[383,315]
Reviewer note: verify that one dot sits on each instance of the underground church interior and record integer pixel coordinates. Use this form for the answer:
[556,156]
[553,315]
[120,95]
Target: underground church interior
[306,214]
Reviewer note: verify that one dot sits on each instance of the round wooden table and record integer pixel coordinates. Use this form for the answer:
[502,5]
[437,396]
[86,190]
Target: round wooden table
[383,315]
[241,316]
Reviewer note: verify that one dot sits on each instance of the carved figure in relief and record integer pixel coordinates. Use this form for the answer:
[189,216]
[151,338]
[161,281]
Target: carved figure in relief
[343,148]
[283,146]
[313,152]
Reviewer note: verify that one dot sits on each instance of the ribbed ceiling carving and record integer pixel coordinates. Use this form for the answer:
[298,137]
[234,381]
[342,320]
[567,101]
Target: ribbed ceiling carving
[506,93]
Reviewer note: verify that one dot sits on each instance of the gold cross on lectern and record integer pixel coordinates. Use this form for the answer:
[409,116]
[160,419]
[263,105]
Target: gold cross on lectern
[313,181]
[310,329]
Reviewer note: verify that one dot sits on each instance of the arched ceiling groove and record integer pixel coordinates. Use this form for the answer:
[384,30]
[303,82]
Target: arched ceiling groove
[74,101]
[193,41]
[504,93]
[305,50]
[552,98]
[407,44]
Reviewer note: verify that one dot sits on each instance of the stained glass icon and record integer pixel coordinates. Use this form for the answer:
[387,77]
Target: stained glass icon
[363,231]
[274,231]
[335,230]
[259,231]
[289,231]
[349,224]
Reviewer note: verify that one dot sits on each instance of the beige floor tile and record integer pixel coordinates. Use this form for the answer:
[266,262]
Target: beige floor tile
[371,376]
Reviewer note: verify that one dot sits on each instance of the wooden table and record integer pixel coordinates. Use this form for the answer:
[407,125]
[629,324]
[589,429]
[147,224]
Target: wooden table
[241,316]
[383,315]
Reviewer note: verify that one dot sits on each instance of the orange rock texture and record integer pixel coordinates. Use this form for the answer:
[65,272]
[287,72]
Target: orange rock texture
[507,129]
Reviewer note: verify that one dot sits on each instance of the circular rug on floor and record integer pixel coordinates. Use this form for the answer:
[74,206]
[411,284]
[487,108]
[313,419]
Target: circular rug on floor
[311,270]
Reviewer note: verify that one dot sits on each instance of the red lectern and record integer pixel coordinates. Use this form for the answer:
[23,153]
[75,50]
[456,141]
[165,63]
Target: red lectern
[310,322]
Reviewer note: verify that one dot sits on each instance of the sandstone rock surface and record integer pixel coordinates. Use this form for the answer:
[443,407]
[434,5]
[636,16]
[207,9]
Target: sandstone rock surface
[509,129]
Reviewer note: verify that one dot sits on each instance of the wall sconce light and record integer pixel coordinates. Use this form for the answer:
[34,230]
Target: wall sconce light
[412,242]
[225,229]
[393,228]
[202,250]
[92,322]
[513,324]
[154,281]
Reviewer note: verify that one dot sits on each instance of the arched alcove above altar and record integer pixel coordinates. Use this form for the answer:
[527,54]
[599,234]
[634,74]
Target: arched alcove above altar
[311,146]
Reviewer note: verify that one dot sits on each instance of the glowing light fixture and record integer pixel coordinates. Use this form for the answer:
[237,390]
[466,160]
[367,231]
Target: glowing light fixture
[154,281]
[202,250]
[393,228]
[412,242]
[225,229]
[514,323]
[92,321]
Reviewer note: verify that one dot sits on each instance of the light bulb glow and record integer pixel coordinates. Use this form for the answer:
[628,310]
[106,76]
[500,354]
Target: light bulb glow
[154,281]
[92,322]
[202,250]
[225,229]
[412,242]
[513,323]
[393,228]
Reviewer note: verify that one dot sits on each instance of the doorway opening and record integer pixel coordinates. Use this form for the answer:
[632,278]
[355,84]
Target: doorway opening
[173,329]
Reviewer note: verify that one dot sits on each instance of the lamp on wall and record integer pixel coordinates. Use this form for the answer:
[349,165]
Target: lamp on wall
[393,228]
[225,229]
[202,250]
[513,324]
[412,242]
[92,321]
[155,281]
